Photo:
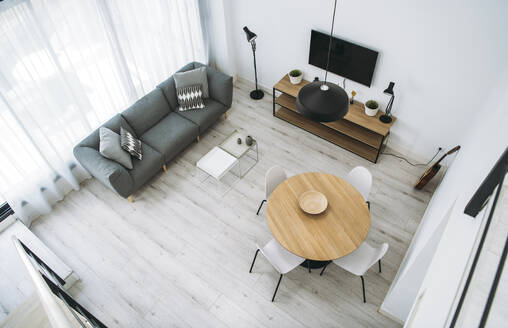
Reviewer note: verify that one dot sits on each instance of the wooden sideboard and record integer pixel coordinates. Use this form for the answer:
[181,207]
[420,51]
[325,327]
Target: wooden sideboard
[356,132]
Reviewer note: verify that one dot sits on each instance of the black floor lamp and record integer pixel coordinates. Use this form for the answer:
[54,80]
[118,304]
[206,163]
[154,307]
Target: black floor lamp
[251,38]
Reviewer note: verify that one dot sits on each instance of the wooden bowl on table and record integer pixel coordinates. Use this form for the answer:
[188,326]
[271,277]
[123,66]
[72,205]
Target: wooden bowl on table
[313,202]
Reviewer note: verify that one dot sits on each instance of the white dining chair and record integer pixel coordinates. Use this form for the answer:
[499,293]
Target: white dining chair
[361,260]
[281,259]
[274,176]
[361,179]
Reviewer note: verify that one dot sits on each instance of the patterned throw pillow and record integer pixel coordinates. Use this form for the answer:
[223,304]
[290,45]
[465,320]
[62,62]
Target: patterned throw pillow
[190,97]
[130,144]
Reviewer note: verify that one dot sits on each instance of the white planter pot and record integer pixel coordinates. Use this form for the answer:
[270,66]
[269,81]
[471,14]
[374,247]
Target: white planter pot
[295,80]
[371,112]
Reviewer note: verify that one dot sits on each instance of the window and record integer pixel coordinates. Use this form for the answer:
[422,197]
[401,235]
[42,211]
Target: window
[67,66]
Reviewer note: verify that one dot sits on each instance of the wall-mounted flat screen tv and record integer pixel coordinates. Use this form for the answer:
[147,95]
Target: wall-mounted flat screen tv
[347,59]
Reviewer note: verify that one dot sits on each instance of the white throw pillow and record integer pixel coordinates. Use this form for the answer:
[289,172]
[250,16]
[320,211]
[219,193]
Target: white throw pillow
[192,77]
[110,147]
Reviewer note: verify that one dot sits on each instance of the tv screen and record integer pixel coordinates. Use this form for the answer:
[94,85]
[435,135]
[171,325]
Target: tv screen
[347,59]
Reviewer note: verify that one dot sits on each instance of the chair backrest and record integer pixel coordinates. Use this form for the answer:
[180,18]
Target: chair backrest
[274,176]
[361,179]
[378,253]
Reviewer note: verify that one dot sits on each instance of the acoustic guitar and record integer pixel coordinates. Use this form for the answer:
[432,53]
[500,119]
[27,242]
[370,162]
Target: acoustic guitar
[432,171]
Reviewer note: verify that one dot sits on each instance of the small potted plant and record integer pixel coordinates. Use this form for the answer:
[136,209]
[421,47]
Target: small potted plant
[295,76]
[371,108]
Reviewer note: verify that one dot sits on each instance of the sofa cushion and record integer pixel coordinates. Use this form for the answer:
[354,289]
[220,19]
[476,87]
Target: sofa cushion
[172,134]
[143,170]
[147,111]
[205,117]
[168,87]
[187,67]
[113,124]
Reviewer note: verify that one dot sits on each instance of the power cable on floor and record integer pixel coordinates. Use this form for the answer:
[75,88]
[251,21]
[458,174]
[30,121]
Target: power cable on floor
[407,161]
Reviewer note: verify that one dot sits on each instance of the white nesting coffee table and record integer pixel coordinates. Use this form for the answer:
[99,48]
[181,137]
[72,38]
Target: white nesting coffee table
[222,158]
[217,162]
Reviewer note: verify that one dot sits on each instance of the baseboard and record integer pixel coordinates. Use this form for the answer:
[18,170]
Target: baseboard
[253,85]
[70,280]
[389,316]
[7,222]
[398,149]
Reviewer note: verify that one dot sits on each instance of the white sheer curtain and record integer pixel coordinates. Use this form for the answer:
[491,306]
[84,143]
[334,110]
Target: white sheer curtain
[66,66]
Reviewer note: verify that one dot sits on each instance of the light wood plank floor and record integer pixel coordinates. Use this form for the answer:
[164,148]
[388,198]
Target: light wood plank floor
[179,256]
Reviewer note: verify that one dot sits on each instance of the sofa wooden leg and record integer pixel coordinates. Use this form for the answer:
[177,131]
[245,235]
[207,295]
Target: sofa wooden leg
[164,168]
[130,199]
[198,138]
[226,115]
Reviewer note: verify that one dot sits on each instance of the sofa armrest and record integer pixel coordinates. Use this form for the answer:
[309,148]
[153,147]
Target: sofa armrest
[110,173]
[220,86]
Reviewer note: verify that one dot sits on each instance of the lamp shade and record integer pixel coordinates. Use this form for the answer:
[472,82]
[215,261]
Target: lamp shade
[251,36]
[389,90]
[322,102]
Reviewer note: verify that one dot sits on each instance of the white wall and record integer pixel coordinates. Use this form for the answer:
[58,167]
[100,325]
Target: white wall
[442,55]
[436,272]
[218,25]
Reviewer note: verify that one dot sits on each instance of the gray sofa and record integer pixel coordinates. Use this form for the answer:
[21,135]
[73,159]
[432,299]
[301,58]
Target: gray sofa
[163,130]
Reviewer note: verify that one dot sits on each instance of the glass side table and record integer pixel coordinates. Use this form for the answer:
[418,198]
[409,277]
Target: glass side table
[222,158]
[231,146]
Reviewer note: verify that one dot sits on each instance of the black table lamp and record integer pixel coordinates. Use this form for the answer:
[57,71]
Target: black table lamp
[387,116]
[251,38]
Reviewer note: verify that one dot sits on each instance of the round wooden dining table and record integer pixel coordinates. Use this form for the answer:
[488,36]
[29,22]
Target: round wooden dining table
[319,238]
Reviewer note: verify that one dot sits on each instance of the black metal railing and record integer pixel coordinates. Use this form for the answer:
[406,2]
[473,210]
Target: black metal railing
[492,185]
[55,283]
[5,211]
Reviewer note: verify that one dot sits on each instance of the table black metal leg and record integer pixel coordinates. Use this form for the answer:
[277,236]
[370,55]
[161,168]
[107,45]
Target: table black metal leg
[322,271]
[314,264]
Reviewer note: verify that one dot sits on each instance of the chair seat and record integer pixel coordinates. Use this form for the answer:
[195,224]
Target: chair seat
[171,135]
[359,261]
[205,117]
[283,260]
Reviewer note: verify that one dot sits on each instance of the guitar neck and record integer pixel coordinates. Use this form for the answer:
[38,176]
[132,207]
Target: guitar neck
[439,161]
[448,153]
